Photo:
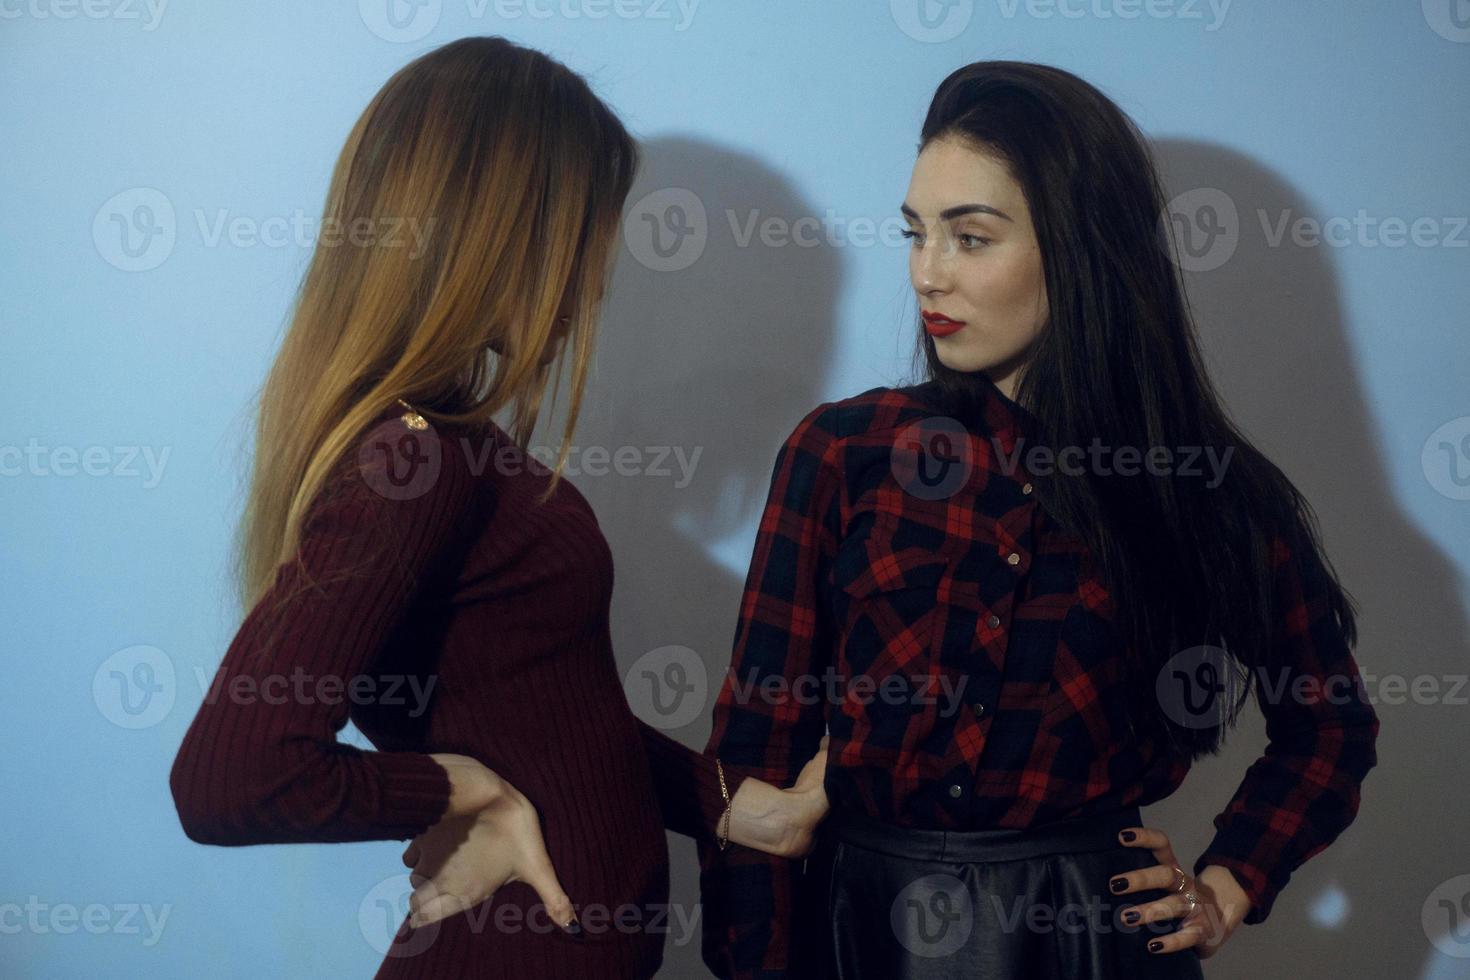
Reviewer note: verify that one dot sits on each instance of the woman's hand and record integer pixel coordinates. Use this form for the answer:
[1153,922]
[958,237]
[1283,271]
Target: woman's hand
[461,860]
[782,822]
[1222,903]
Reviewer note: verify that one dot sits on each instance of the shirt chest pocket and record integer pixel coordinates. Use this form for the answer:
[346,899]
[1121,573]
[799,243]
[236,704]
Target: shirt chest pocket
[896,603]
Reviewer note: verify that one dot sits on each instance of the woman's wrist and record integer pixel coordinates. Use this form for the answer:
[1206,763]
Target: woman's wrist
[1234,901]
[472,786]
[772,820]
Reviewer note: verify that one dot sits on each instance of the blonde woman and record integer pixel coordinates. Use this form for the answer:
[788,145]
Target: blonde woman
[407,565]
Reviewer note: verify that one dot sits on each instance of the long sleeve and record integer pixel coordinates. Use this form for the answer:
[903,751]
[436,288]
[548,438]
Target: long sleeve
[782,637]
[261,763]
[687,784]
[1304,790]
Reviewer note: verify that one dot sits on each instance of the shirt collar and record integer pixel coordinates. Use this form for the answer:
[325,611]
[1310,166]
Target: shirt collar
[990,414]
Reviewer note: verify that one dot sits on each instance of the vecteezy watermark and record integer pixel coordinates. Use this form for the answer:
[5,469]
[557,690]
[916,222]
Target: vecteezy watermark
[401,464]
[1106,460]
[137,687]
[136,230]
[1446,459]
[37,460]
[936,21]
[1191,687]
[403,21]
[1450,19]
[933,458]
[411,692]
[1210,13]
[1445,917]
[147,12]
[1201,229]
[932,21]
[933,916]
[667,687]
[1364,230]
[382,919]
[858,690]
[660,462]
[668,229]
[41,918]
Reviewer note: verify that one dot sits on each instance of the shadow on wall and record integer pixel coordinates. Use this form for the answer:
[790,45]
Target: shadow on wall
[1271,318]
[712,347]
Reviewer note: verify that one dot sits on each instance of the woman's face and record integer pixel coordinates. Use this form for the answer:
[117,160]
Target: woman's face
[975,264]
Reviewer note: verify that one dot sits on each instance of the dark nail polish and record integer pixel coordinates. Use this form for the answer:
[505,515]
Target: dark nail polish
[574,928]
[1130,917]
[1155,946]
[1128,836]
[1118,884]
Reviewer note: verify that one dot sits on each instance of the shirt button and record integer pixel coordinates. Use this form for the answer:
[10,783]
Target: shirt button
[1026,489]
[979,710]
[956,790]
[993,621]
[1013,558]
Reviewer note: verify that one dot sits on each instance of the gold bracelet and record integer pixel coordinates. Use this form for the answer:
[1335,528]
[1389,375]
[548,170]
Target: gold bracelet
[723,836]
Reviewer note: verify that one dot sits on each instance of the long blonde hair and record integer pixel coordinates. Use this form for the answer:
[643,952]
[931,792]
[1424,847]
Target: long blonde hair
[511,175]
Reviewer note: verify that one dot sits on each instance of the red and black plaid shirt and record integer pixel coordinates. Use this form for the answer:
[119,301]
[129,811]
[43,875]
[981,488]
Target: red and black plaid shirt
[960,649]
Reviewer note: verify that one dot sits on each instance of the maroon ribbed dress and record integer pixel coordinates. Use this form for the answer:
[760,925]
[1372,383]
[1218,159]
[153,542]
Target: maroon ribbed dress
[429,558]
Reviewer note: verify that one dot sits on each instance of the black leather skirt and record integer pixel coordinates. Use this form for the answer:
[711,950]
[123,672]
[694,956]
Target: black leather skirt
[879,902]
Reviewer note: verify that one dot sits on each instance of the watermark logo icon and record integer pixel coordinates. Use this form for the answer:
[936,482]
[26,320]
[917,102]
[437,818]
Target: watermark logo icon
[667,686]
[400,21]
[381,914]
[933,916]
[1191,686]
[1446,459]
[135,229]
[667,229]
[932,21]
[1445,917]
[931,458]
[135,687]
[399,463]
[1450,19]
[1204,225]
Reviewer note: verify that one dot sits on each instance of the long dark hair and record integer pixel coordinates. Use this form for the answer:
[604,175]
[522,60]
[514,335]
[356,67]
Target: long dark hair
[1119,360]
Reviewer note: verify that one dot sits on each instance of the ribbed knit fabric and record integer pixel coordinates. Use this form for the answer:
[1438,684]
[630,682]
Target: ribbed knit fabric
[445,611]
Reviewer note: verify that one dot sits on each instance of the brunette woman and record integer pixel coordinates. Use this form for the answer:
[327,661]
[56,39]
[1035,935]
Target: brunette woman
[1012,567]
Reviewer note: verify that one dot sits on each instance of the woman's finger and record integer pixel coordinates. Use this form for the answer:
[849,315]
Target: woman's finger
[540,875]
[1177,941]
[1155,876]
[441,906]
[1152,839]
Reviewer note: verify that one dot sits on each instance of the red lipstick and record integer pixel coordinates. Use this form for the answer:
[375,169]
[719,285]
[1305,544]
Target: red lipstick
[939,325]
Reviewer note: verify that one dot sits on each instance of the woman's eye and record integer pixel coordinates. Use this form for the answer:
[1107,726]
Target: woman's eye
[913,236]
[973,241]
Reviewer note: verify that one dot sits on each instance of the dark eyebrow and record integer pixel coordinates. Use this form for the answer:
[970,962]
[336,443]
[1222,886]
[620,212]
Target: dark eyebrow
[959,209]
